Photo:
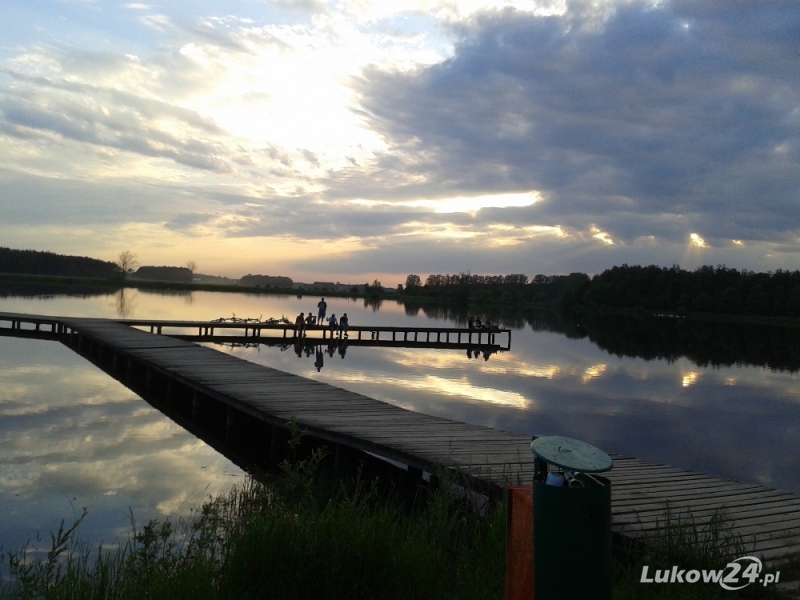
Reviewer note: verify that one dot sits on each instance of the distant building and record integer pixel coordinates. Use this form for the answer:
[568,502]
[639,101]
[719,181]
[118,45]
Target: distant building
[329,286]
[171,274]
[266,281]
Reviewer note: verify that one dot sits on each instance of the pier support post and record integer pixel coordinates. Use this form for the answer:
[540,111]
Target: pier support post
[414,475]
[170,390]
[148,381]
[346,458]
[230,424]
[277,445]
[197,406]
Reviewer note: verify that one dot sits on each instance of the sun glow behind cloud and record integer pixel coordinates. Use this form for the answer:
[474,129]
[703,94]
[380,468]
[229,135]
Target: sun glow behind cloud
[697,240]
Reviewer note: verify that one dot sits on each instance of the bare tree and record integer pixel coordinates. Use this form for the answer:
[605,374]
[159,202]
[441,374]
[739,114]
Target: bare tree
[127,261]
[192,266]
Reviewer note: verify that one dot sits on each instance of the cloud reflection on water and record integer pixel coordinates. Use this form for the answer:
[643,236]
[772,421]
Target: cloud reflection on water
[74,437]
[448,387]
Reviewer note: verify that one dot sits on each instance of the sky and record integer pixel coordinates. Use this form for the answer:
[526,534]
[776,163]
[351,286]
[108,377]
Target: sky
[351,140]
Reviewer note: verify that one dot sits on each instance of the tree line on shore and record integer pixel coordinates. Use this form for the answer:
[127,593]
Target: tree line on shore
[33,262]
[706,289]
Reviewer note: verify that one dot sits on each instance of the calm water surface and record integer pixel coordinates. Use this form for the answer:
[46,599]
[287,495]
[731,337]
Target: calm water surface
[71,436]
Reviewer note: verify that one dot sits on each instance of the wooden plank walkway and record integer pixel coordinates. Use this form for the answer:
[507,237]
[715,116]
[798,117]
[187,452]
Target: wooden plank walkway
[640,490]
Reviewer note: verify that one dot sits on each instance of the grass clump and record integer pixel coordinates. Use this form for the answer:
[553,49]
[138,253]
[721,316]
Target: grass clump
[679,540]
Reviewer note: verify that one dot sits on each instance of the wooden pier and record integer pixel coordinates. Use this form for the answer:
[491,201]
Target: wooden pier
[207,331]
[223,389]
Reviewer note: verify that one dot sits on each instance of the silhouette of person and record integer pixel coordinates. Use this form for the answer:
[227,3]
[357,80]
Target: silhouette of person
[342,349]
[322,306]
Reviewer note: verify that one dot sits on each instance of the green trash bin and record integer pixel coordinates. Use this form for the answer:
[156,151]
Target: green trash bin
[571,522]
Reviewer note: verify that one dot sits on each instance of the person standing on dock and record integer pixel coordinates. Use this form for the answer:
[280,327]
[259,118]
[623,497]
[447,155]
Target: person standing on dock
[299,325]
[322,306]
[344,324]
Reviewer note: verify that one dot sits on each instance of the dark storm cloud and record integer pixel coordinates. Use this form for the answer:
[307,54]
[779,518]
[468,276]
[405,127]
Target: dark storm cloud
[685,109]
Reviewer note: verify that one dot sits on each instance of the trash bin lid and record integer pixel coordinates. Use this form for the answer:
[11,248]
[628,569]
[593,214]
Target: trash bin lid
[571,454]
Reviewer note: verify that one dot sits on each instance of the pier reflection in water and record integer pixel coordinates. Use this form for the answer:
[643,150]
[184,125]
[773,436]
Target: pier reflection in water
[332,347]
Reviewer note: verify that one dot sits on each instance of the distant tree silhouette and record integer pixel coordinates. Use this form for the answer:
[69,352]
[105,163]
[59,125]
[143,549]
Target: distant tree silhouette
[413,281]
[127,261]
[33,262]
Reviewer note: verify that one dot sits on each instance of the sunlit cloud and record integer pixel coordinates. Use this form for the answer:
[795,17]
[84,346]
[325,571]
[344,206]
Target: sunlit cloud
[696,240]
[462,204]
[459,204]
[556,230]
[601,235]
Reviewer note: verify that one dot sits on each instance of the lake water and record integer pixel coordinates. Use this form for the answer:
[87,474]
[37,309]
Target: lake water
[716,399]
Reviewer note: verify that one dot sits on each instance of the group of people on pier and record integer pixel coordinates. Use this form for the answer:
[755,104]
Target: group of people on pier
[302,322]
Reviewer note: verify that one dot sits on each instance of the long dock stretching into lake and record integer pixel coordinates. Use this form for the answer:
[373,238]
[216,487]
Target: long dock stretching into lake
[254,330]
[217,387]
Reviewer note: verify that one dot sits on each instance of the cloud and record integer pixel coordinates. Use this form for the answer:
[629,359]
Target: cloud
[661,112]
[476,135]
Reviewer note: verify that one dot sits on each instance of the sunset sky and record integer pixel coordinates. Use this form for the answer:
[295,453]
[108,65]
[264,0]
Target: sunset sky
[349,140]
